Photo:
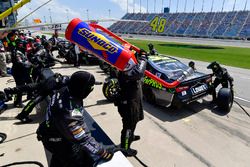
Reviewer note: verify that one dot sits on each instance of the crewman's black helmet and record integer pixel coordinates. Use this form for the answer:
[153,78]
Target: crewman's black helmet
[150,46]
[81,83]
[214,66]
[191,64]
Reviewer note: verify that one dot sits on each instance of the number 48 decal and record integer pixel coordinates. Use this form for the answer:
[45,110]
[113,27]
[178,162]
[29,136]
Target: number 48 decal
[158,25]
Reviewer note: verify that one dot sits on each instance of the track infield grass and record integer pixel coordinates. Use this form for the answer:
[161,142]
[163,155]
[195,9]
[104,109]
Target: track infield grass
[231,56]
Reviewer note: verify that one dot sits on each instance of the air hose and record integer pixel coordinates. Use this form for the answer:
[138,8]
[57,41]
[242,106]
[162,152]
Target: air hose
[24,162]
[242,108]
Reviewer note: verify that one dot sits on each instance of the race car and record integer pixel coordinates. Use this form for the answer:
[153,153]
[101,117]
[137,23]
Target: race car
[192,85]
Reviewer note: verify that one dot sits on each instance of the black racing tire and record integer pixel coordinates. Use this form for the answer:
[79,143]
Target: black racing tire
[111,89]
[148,95]
[176,103]
[3,136]
[225,100]
[104,66]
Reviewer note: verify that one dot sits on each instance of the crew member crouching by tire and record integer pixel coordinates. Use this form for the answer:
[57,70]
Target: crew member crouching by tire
[221,77]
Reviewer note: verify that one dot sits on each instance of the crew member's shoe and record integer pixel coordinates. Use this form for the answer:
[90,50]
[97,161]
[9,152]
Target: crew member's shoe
[5,75]
[25,119]
[136,138]
[129,152]
[8,94]
[19,105]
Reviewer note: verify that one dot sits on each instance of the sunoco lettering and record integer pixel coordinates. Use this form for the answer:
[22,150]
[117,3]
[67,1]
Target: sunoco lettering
[91,36]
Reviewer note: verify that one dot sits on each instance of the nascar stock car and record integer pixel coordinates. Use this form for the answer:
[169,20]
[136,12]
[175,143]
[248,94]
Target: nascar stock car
[193,85]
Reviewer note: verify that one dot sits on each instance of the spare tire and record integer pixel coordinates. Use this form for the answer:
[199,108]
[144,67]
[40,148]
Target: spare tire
[3,136]
[225,100]
[111,89]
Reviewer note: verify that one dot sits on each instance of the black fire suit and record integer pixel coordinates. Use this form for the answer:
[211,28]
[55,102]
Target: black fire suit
[66,135]
[130,102]
[42,90]
[20,72]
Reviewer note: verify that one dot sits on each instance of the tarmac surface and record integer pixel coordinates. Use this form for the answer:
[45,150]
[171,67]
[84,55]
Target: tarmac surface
[196,135]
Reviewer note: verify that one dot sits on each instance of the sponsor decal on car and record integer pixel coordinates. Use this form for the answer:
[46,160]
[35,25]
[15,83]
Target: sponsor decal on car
[199,89]
[152,83]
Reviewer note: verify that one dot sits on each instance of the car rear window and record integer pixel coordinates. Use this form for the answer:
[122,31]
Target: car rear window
[173,66]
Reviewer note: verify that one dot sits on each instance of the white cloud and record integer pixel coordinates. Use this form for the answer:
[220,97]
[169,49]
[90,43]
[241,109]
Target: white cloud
[123,5]
[59,12]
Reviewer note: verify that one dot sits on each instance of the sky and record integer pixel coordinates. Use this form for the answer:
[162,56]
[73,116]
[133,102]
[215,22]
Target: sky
[65,10]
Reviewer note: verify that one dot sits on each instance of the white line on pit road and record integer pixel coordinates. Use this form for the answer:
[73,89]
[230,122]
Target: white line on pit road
[242,99]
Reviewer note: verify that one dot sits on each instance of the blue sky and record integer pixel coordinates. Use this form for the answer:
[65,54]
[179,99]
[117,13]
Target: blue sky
[62,10]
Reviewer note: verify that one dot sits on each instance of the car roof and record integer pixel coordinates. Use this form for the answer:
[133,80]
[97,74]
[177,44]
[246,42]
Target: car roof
[159,58]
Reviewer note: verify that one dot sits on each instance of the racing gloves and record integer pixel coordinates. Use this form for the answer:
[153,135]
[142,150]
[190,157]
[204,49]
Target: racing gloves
[107,154]
[143,54]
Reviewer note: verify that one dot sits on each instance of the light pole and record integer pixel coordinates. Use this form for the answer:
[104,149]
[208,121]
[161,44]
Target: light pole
[133,6]
[87,12]
[155,6]
[162,6]
[67,12]
[223,5]
[140,6]
[109,12]
[202,6]
[185,7]
[193,6]
[31,15]
[212,7]
[177,6]
[245,5]
[50,15]
[127,6]
[147,6]
[234,4]
[44,19]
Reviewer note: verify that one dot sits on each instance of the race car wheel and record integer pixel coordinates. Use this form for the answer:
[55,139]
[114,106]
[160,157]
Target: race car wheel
[225,100]
[176,103]
[148,95]
[104,66]
[2,137]
[111,89]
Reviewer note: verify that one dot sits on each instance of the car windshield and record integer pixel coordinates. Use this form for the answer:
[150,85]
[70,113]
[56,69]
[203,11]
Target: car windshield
[174,69]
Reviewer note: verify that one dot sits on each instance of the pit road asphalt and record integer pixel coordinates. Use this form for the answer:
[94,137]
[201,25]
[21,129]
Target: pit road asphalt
[195,135]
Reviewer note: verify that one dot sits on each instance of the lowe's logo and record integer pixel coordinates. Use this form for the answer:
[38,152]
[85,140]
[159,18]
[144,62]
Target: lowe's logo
[98,41]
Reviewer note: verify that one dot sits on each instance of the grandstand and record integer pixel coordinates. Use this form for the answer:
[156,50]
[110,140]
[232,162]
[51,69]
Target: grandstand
[233,25]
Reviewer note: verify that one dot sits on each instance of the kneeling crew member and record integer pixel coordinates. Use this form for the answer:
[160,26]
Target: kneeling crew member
[221,77]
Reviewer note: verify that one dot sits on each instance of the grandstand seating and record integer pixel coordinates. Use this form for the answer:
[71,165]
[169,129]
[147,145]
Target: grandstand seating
[175,24]
[170,22]
[234,24]
[224,24]
[205,25]
[245,32]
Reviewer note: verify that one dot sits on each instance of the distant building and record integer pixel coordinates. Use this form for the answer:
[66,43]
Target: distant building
[11,19]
